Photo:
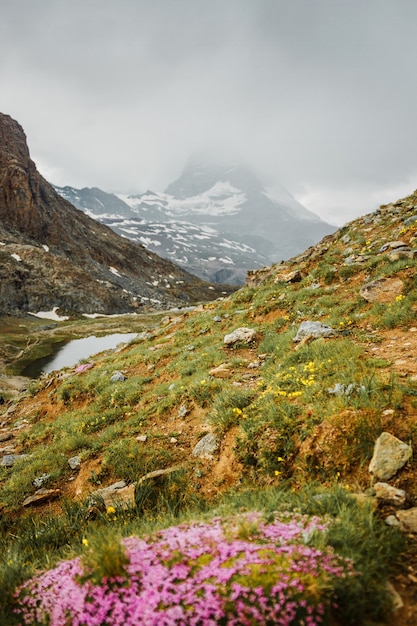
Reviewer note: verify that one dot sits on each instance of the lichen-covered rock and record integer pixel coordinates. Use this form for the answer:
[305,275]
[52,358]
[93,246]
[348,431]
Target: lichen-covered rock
[240,335]
[41,495]
[118,377]
[221,371]
[389,494]
[206,447]
[10,459]
[117,495]
[74,462]
[313,329]
[390,455]
[382,290]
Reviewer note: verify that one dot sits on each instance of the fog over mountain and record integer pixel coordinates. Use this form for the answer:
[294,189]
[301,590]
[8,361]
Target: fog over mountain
[316,95]
[217,220]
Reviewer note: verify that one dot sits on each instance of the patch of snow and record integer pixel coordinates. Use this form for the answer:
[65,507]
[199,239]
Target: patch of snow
[16,256]
[45,247]
[114,271]
[51,315]
[147,241]
[95,315]
[2,243]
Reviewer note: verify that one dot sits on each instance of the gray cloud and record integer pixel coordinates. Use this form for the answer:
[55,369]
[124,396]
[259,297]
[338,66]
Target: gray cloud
[319,95]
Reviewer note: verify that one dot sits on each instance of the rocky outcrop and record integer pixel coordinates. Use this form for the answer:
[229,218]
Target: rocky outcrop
[53,255]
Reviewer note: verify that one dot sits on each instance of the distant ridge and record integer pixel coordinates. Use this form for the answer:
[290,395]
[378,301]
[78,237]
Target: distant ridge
[53,255]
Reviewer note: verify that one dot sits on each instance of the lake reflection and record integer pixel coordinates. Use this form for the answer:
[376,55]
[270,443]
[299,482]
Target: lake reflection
[69,354]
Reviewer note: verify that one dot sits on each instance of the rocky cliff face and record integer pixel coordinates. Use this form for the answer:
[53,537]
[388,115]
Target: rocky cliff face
[53,255]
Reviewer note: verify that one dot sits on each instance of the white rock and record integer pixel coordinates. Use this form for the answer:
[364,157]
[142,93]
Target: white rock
[240,335]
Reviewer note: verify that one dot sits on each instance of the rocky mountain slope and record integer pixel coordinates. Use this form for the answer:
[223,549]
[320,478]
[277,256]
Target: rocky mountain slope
[53,255]
[216,221]
[298,388]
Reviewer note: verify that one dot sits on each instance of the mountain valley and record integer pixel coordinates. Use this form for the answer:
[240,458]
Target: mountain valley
[283,397]
[248,457]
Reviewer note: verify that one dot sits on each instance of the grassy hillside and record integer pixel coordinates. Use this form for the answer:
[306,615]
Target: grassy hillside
[293,424]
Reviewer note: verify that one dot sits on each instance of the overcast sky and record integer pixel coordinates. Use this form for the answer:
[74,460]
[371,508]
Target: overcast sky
[319,95]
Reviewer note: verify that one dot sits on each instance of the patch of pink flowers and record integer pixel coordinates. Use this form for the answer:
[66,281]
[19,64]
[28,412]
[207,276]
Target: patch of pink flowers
[83,367]
[237,571]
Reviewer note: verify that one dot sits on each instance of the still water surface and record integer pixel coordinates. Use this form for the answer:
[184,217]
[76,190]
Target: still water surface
[69,354]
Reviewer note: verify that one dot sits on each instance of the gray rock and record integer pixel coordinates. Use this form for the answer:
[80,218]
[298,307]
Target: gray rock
[313,329]
[42,495]
[74,462]
[118,377]
[117,495]
[141,438]
[206,447]
[345,239]
[390,455]
[157,474]
[397,244]
[389,494]
[401,253]
[410,220]
[217,318]
[391,520]
[183,411]
[240,335]
[10,459]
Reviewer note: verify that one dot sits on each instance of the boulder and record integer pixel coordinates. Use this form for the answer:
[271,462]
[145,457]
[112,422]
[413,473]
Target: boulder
[313,329]
[117,495]
[240,335]
[10,459]
[221,371]
[118,377]
[382,290]
[389,494]
[74,462]
[42,495]
[206,447]
[390,455]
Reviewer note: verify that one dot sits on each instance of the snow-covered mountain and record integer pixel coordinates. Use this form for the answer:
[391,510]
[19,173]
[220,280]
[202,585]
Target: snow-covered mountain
[216,220]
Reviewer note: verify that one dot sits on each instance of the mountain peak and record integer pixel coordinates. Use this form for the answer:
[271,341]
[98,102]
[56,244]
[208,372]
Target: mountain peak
[203,171]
